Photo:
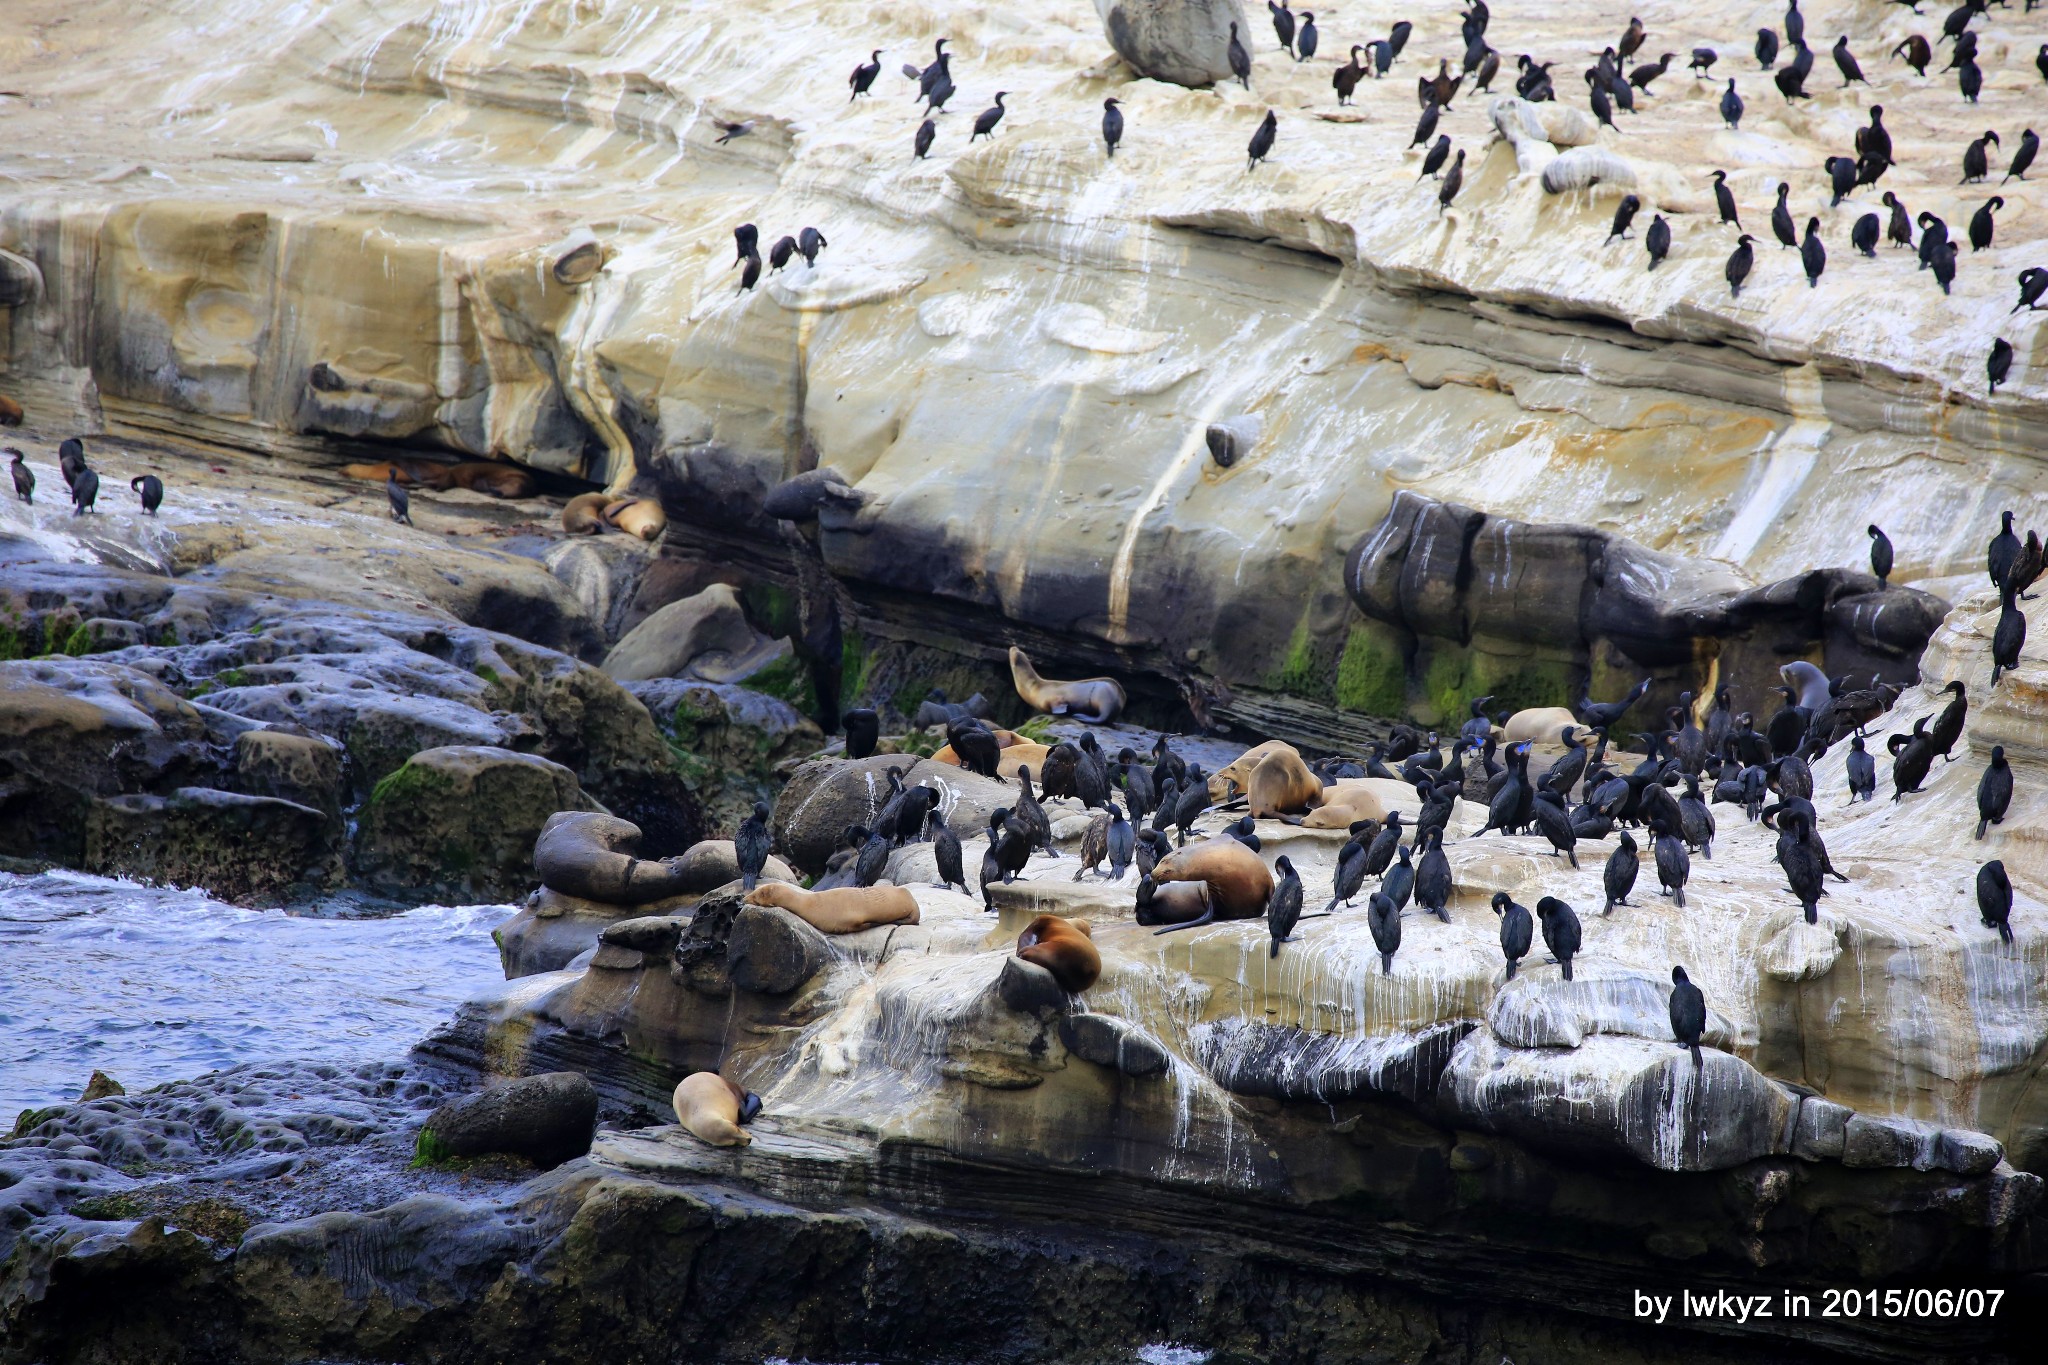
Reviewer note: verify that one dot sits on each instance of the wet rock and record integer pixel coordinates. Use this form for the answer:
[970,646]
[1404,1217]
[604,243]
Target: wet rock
[1868,1140]
[250,850]
[1030,989]
[547,1119]
[655,934]
[713,863]
[460,823]
[706,636]
[291,767]
[730,742]
[551,930]
[1822,1126]
[1283,1063]
[1966,1153]
[99,1087]
[1111,1042]
[1182,41]
[772,952]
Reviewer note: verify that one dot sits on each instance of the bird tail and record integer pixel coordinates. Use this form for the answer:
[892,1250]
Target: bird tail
[1567,964]
[1331,906]
[1512,964]
[1813,912]
[1573,854]
[1982,823]
[1386,964]
[1698,1062]
[2005,930]
[1679,895]
[1276,949]
[747,883]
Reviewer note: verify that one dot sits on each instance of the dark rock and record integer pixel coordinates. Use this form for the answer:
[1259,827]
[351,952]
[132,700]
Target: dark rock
[1868,1141]
[547,1119]
[1966,1152]
[809,495]
[645,934]
[769,951]
[100,1086]
[251,850]
[824,796]
[1029,988]
[1111,1042]
[292,767]
[1284,1063]
[731,742]
[1820,1130]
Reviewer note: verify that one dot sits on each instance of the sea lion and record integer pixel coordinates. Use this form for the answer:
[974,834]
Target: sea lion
[1005,739]
[584,514]
[1173,902]
[1064,947]
[381,472]
[1540,723]
[842,910]
[591,855]
[1095,700]
[479,476]
[10,413]
[640,517]
[708,1106]
[1236,777]
[1282,785]
[1238,879]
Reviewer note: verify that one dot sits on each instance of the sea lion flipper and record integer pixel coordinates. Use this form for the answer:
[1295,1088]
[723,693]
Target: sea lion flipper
[1208,917]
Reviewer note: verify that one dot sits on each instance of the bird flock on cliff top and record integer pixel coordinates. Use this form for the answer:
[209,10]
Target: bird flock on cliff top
[1147,809]
[81,478]
[1613,86]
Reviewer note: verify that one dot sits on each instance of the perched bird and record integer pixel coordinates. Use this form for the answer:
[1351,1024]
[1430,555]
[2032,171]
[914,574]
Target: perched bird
[1688,1014]
[1782,226]
[1674,864]
[946,852]
[1899,232]
[864,75]
[1305,38]
[2030,144]
[1703,59]
[1799,854]
[1795,24]
[400,500]
[985,122]
[1604,715]
[750,845]
[751,276]
[1658,240]
[2033,286]
[1597,99]
[1619,876]
[746,239]
[1112,124]
[1631,39]
[1283,25]
[151,490]
[1439,152]
[1561,933]
[810,241]
[1350,873]
[1624,215]
[1846,63]
[1970,80]
[1433,882]
[1724,200]
[1880,554]
[2010,636]
[1981,224]
[1283,906]
[1812,254]
[1841,178]
[1239,59]
[24,477]
[1994,791]
[1994,898]
[1977,157]
[1383,917]
[1915,52]
[1122,843]
[1399,883]
[1425,127]
[779,254]
[1454,180]
[1861,769]
[1262,141]
[1863,236]
[1643,75]
[2000,364]
[1766,48]
[922,144]
[1944,264]
[1912,755]
[1516,930]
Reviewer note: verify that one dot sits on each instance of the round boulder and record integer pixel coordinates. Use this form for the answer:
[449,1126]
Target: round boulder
[548,1119]
[826,795]
[1186,42]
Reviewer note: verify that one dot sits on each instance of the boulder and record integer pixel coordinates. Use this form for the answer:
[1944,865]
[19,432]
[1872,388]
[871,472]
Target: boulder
[824,796]
[1183,41]
[547,1119]
[552,930]
[603,573]
[250,850]
[711,863]
[1108,1041]
[706,636]
[460,823]
[1625,1096]
[1283,1063]
[729,741]
[772,952]
[291,767]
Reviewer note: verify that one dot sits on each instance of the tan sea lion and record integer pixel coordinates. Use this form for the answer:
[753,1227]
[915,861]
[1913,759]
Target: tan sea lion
[1064,947]
[1540,723]
[1344,803]
[843,909]
[1238,879]
[1024,754]
[1095,700]
[381,472]
[1282,785]
[584,514]
[1235,778]
[10,413]
[640,517]
[1005,739]
[708,1107]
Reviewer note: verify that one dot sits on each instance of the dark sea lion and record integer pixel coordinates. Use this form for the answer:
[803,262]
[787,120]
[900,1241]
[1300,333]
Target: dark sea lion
[1064,947]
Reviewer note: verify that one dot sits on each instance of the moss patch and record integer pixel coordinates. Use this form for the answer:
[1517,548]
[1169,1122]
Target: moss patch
[408,782]
[428,1150]
[215,1219]
[786,679]
[1371,677]
[1038,730]
[108,1208]
[28,1120]
[1305,672]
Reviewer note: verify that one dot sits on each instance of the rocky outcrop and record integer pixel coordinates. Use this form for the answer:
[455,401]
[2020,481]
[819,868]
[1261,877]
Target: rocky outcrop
[732,744]
[1182,41]
[547,1119]
[705,637]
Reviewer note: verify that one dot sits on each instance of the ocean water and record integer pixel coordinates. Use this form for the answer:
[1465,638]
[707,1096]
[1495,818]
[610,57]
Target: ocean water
[151,984]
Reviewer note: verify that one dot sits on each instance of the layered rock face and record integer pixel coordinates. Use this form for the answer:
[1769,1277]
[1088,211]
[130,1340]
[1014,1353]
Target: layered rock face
[509,234]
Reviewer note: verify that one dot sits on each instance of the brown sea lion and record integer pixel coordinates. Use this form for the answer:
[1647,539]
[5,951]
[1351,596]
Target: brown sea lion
[10,413]
[843,909]
[1540,723]
[1172,903]
[1232,780]
[1064,947]
[591,855]
[708,1107]
[640,517]
[584,514]
[381,472]
[1238,879]
[1095,700]
[1282,785]
[479,476]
